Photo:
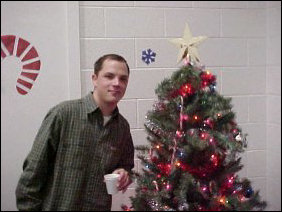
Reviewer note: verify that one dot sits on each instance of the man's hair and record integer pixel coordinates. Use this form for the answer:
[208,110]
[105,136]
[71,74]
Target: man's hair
[99,63]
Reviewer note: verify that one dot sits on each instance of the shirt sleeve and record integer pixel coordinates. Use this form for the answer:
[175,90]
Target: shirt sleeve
[38,163]
[127,158]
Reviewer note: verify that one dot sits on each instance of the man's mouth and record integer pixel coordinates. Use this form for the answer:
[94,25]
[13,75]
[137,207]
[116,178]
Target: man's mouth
[115,91]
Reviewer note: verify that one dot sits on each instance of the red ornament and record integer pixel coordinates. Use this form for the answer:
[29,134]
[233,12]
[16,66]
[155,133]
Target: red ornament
[186,89]
[212,141]
[183,117]
[230,181]
[179,134]
[168,187]
[209,122]
[204,135]
[204,165]
[164,168]
[154,159]
[207,78]
[234,131]
[214,159]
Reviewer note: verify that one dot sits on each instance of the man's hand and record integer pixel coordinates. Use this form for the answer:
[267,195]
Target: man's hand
[124,179]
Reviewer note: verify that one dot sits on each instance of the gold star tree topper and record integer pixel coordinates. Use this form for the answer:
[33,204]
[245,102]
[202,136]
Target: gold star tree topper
[188,46]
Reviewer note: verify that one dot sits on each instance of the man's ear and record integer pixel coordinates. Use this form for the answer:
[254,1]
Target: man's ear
[94,79]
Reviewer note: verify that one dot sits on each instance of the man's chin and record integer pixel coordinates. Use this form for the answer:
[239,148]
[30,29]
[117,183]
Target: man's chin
[113,100]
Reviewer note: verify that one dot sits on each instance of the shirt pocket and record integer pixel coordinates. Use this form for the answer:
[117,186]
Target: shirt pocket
[74,155]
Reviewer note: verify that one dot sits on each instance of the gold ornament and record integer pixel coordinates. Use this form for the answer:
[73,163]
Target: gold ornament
[188,46]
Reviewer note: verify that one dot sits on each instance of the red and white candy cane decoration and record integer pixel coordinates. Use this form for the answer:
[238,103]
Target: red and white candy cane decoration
[12,45]
[156,185]
[181,113]
[181,127]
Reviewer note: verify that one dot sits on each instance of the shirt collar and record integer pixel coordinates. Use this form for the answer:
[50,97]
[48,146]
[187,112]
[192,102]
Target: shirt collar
[91,105]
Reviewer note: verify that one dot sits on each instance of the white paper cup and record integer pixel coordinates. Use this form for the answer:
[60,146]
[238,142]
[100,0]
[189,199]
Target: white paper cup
[111,183]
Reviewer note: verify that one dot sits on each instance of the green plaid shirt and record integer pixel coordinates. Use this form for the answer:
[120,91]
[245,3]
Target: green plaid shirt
[71,153]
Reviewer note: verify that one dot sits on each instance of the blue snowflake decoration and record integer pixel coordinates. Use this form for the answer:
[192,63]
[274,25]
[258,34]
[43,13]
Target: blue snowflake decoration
[148,56]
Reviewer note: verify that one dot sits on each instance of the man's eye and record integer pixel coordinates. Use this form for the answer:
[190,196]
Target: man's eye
[123,79]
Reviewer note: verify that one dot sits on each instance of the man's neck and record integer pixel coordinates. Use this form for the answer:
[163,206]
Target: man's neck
[106,107]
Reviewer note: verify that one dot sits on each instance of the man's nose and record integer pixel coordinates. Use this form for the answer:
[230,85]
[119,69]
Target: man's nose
[116,81]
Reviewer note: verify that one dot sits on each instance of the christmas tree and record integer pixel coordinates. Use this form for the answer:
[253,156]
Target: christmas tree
[194,145]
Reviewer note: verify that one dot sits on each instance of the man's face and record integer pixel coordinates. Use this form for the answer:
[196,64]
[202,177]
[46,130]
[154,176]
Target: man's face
[111,82]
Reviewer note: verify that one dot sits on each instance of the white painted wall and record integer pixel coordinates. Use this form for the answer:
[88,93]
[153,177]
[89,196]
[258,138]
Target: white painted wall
[46,25]
[273,103]
[243,50]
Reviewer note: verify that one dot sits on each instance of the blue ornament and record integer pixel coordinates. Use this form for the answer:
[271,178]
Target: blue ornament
[212,87]
[179,107]
[148,56]
[249,192]
[181,153]
[148,166]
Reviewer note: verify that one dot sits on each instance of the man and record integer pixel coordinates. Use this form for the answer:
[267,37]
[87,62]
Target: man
[78,143]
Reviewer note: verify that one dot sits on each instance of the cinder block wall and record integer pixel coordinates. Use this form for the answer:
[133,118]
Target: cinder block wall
[273,103]
[243,50]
